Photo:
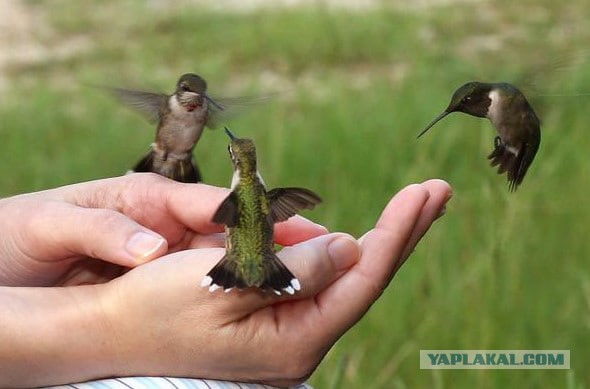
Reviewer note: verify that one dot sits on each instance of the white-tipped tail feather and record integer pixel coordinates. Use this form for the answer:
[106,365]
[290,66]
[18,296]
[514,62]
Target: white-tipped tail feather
[206,281]
[289,290]
[214,287]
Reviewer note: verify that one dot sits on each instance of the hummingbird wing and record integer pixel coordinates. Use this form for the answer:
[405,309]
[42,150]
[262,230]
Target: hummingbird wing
[223,109]
[149,104]
[286,202]
[227,213]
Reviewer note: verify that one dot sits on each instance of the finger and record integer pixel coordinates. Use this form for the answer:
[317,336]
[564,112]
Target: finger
[151,200]
[200,241]
[440,193]
[191,206]
[91,272]
[319,261]
[198,215]
[345,301]
[96,233]
[296,230]
[316,263]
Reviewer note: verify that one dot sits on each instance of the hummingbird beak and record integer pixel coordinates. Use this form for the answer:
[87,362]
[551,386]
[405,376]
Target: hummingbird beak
[432,123]
[230,134]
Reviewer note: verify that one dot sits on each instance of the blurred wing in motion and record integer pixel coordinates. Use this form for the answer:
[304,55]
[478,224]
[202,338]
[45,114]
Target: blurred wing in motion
[224,109]
[149,104]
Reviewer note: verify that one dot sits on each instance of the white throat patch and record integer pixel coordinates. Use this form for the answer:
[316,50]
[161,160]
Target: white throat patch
[235,179]
[494,108]
[174,104]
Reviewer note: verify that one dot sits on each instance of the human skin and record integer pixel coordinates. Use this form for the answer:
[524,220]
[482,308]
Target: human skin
[155,319]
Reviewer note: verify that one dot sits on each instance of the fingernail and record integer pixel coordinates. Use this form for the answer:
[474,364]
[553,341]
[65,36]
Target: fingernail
[344,252]
[142,245]
[319,226]
[443,210]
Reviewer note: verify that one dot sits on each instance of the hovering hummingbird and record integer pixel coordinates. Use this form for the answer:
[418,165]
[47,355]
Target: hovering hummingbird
[249,213]
[518,127]
[181,118]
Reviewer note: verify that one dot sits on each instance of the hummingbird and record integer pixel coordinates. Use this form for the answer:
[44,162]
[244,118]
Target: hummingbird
[249,213]
[180,119]
[517,125]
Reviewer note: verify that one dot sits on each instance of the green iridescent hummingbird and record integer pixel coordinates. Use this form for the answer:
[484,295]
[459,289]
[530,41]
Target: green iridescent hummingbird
[180,119]
[249,213]
[518,127]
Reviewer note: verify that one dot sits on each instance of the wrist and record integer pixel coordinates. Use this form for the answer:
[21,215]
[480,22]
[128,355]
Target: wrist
[53,336]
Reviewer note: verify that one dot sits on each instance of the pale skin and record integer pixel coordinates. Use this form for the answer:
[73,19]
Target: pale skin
[155,319]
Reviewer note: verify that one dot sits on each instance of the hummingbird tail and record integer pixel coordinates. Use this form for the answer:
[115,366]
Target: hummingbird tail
[146,164]
[186,170]
[182,170]
[277,277]
[226,275]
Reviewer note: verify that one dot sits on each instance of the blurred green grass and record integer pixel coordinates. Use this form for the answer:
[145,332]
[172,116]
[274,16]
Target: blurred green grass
[499,271]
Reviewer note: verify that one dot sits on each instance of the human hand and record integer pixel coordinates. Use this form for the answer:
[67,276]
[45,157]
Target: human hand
[93,232]
[162,323]
[157,320]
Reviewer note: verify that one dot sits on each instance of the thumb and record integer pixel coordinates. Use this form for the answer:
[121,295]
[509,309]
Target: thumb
[316,263]
[98,233]
[319,262]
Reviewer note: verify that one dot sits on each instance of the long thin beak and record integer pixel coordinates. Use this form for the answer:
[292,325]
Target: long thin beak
[432,123]
[230,134]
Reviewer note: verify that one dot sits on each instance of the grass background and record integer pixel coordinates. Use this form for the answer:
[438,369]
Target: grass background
[499,271]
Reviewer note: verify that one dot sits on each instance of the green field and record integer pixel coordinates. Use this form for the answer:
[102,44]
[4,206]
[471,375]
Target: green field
[352,89]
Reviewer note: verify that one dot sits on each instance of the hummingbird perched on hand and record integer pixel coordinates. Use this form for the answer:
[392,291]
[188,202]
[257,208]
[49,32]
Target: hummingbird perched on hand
[249,213]
[181,118]
[519,132]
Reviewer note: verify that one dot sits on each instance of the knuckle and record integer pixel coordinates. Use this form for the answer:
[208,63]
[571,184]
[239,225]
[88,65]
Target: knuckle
[102,221]
[35,216]
[145,179]
[141,191]
[106,219]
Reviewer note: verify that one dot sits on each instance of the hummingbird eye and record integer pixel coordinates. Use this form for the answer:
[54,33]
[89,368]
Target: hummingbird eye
[184,86]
